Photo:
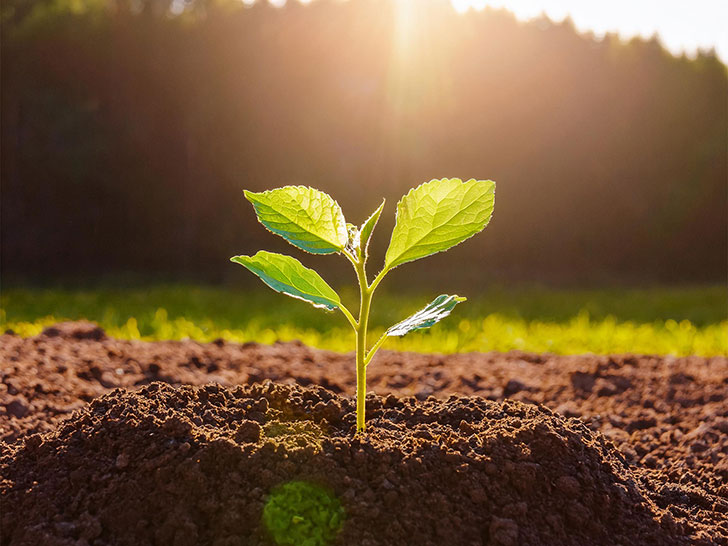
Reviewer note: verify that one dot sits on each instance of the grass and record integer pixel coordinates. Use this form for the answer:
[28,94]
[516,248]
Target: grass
[679,321]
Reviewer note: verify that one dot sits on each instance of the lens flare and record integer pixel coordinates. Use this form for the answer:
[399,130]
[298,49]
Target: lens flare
[298,513]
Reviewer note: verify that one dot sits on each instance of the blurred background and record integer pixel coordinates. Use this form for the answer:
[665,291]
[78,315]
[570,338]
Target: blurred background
[131,127]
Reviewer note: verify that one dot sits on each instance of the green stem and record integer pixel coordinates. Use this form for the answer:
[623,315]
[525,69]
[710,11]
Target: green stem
[361,346]
[374,349]
[360,327]
[348,315]
[378,279]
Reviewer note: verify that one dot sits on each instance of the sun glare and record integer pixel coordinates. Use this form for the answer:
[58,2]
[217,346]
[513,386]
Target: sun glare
[461,6]
[680,29]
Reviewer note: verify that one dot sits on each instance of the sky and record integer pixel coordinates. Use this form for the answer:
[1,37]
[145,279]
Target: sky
[682,25]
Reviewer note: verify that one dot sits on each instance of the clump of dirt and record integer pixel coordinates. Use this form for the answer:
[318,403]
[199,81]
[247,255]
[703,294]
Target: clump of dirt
[195,465]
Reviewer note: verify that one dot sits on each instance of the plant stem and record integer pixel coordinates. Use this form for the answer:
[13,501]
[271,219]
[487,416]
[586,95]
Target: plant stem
[348,316]
[361,345]
[374,349]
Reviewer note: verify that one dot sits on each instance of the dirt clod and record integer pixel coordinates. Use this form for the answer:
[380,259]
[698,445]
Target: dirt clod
[17,407]
[75,330]
[504,531]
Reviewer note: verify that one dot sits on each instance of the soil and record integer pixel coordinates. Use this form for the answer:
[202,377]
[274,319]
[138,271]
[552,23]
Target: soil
[107,442]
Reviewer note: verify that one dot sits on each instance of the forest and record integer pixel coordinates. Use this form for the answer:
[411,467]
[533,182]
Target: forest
[131,127]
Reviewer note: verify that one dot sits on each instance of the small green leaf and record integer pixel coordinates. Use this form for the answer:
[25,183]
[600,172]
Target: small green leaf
[289,276]
[438,215]
[440,307]
[367,228]
[307,218]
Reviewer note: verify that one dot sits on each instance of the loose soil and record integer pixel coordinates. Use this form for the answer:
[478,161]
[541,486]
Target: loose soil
[108,442]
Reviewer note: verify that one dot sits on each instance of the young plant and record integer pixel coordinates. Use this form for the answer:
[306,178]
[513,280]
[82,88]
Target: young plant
[431,218]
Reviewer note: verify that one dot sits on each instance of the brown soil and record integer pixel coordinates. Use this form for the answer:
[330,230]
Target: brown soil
[587,450]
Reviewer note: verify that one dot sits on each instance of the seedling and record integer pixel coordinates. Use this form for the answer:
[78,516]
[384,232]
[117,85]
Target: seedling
[431,218]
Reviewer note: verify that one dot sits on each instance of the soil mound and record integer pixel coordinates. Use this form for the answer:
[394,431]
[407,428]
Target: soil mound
[199,465]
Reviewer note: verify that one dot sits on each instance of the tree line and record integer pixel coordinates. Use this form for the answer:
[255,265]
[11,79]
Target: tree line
[129,131]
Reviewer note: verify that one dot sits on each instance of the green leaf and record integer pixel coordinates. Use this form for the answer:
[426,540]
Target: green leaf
[289,276]
[438,215]
[307,218]
[440,307]
[367,228]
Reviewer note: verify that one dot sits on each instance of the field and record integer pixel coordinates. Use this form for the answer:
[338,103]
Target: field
[677,321]
[212,409]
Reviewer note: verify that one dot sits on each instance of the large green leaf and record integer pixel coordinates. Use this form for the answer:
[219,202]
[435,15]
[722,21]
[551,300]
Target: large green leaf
[289,276]
[440,307]
[307,218]
[367,228]
[438,215]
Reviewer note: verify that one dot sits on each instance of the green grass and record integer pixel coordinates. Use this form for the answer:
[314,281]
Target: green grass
[677,321]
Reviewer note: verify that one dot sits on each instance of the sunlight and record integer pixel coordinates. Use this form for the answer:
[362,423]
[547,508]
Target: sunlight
[405,12]
[700,27]
[415,22]
[461,6]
